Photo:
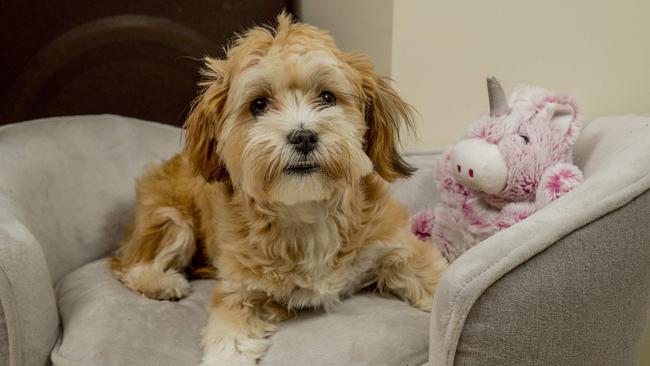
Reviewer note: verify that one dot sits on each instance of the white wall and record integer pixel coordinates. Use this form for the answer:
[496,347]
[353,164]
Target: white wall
[597,50]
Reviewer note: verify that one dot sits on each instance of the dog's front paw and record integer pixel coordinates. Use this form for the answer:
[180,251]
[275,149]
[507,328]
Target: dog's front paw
[155,283]
[173,286]
[424,303]
[239,352]
[223,359]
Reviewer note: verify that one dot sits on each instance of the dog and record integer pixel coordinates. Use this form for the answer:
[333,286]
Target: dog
[280,192]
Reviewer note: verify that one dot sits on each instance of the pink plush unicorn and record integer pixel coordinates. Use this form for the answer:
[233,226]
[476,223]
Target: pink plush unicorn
[509,164]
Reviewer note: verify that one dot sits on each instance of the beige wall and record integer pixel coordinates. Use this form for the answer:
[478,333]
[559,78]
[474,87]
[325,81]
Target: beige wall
[439,53]
[357,25]
[597,50]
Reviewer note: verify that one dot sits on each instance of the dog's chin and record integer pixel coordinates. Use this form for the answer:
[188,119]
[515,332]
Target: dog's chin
[301,183]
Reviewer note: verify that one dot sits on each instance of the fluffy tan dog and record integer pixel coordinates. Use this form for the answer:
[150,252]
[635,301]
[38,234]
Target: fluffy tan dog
[281,193]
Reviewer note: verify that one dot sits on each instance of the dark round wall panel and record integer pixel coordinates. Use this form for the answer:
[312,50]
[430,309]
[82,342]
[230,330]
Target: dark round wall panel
[134,60]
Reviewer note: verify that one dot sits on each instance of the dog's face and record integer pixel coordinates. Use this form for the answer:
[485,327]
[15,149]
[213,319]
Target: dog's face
[287,117]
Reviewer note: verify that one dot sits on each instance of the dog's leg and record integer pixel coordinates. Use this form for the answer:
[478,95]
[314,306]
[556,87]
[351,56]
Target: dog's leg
[238,324]
[411,269]
[153,257]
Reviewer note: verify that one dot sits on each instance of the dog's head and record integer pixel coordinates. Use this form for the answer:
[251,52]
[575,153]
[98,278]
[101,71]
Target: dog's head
[287,117]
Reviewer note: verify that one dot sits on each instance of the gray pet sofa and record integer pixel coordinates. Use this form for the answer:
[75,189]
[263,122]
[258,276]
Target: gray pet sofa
[570,285]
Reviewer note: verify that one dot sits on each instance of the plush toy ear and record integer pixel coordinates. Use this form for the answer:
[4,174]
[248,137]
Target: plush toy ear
[202,124]
[385,114]
[564,118]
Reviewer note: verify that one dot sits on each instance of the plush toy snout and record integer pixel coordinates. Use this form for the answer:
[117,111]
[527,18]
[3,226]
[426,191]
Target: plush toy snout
[479,166]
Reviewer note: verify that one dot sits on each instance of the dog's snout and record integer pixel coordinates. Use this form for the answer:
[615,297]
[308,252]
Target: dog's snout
[303,140]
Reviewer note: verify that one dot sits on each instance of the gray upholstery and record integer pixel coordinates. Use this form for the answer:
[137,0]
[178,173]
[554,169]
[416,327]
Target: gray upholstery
[66,188]
[4,340]
[572,310]
[66,185]
[418,192]
[78,185]
[26,292]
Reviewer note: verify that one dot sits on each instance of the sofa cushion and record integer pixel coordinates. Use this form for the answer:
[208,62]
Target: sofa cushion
[105,324]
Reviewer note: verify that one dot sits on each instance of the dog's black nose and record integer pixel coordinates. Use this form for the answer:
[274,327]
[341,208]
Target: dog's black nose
[303,140]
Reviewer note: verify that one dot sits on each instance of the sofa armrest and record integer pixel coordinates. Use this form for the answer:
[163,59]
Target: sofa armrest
[582,301]
[497,275]
[4,339]
[26,295]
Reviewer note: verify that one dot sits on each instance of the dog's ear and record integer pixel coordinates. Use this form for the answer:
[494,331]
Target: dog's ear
[385,113]
[203,122]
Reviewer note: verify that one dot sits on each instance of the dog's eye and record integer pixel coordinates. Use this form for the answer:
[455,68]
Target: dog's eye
[259,106]
[525,139]
[327,98]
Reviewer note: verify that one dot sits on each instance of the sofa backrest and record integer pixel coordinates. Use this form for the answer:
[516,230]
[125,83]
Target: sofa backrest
[70,180]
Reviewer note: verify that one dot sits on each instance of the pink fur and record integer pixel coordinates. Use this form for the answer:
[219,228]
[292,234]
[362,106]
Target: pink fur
[539,172]
[422,224]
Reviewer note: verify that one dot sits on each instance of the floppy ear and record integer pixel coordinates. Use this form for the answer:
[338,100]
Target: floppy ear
[385,114]
[202,124]
[564,117]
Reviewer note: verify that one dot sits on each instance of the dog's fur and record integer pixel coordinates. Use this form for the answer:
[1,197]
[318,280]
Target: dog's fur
[278,240]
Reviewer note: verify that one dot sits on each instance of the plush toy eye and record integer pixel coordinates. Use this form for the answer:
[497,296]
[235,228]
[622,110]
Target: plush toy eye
[525,139]
[259,106]
[327,99]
